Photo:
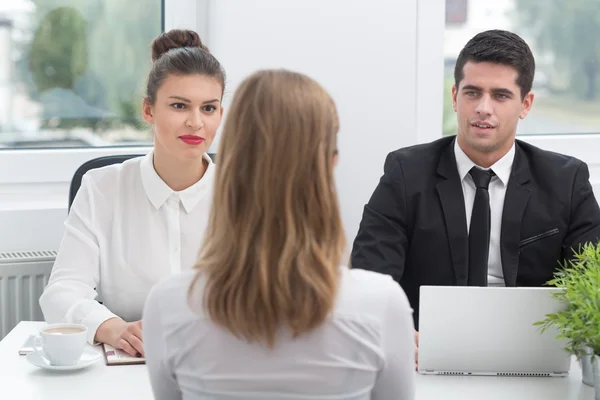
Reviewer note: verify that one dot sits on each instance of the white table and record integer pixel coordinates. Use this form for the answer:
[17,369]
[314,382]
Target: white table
[21,380]
[430,387]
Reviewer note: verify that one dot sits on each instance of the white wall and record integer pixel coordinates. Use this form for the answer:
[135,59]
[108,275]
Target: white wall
[371,56]
[362,52]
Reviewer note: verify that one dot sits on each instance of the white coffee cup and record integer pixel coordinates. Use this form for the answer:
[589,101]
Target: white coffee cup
[62,344]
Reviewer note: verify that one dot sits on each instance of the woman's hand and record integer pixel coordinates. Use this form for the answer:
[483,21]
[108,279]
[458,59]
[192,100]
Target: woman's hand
[126,336]
[416,350]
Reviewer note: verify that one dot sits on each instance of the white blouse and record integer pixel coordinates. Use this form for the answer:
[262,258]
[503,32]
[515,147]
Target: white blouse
[125,231]
[365,350]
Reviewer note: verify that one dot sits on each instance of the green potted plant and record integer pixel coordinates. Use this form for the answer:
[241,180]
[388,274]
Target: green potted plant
[579,322]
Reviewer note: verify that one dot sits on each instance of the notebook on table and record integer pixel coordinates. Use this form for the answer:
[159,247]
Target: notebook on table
[119,357]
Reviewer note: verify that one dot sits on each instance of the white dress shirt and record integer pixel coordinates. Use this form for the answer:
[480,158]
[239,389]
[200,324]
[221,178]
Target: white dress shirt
[497,191]
[125,231]
[365,350]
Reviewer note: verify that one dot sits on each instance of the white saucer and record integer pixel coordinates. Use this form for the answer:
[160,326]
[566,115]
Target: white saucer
[89,357]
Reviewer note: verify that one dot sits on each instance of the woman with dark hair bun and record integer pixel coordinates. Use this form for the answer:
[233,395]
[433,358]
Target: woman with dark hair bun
[134,223]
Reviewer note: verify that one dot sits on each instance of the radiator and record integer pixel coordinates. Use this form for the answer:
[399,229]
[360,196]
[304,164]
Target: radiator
[23,277]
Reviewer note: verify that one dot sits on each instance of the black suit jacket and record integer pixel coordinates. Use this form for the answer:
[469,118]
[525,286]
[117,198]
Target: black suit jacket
[414,226]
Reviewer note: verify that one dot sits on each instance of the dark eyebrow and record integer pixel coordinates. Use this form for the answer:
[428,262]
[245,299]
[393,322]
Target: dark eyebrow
[180,98]
[189,101]
[504,91]
[471,87]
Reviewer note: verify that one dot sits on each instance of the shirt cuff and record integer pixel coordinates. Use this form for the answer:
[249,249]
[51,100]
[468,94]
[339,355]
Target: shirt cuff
[93,320]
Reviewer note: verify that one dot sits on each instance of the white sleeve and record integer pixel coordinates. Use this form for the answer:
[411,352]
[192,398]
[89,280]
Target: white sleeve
[162,376]
[396,380]
[71,291]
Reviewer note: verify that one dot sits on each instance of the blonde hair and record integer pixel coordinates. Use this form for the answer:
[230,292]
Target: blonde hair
[274,240]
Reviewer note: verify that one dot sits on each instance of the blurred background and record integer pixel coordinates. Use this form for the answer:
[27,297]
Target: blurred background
[70,76]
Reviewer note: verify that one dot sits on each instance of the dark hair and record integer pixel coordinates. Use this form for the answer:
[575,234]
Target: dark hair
[500,47]
[180,52]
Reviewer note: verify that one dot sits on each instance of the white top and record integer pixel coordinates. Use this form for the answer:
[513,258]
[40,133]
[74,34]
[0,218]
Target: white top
[364,351]
[497,190]
[125,231]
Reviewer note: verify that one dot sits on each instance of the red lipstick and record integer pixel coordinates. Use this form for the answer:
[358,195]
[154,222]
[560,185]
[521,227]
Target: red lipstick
[192,140]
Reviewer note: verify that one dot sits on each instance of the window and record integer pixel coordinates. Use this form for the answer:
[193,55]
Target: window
[563,37]
[72,72]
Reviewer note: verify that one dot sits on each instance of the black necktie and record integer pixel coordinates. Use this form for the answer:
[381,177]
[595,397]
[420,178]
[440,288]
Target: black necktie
[479,231]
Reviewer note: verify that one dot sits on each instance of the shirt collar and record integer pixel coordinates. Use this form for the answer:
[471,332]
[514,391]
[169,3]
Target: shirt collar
[159,192]
[501,168]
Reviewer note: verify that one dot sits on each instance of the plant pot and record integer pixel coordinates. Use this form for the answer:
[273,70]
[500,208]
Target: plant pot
[596,369]
[587,370]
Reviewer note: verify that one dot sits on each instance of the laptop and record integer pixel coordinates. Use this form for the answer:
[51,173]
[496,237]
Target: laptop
[465,330]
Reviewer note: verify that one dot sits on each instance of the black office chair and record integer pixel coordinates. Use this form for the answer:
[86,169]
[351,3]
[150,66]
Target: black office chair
[98,163]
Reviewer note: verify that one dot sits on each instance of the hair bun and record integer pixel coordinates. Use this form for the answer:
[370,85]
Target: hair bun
[173,39]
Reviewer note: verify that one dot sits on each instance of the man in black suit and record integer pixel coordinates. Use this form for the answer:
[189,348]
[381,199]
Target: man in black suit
[480,208]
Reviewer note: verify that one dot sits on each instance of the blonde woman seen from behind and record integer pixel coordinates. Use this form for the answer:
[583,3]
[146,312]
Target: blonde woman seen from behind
[269,313]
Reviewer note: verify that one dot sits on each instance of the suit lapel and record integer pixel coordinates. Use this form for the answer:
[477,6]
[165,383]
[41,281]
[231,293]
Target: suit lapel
[515,201]
[453,206]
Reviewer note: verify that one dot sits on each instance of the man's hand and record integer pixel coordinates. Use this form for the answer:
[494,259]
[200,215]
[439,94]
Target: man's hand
[416,350]
[126,336]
